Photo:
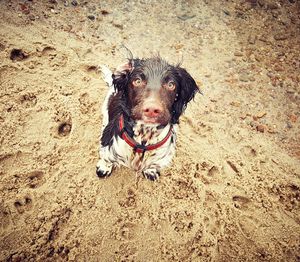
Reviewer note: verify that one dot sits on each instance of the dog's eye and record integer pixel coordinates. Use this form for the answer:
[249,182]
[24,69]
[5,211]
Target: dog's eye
[137,82]
[171,85]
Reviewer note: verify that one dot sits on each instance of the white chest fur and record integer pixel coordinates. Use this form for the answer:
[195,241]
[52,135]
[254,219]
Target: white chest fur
[120,153]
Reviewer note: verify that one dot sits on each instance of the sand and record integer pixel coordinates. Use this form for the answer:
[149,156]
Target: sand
[232,192]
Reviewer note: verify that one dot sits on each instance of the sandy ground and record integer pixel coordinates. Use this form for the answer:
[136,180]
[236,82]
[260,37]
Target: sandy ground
[232,192]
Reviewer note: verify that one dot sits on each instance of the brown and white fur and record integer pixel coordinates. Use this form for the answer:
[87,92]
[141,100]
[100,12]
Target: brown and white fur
[151,95]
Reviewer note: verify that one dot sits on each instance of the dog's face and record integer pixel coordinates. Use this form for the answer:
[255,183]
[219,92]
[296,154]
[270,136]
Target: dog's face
[156,92]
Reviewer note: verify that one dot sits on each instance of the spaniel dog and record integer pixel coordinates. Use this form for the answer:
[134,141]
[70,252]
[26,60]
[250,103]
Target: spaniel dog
[141,113]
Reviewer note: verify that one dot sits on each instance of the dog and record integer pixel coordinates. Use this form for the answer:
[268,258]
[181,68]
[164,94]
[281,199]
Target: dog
[141,114]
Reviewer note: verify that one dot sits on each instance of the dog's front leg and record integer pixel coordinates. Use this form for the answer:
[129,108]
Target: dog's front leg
[104,166]
[158,160]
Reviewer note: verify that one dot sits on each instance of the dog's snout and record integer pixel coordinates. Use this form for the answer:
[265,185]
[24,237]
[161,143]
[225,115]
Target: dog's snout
[152,110]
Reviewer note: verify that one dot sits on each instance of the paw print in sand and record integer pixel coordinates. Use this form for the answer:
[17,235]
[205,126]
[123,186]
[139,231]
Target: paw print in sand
[23,204]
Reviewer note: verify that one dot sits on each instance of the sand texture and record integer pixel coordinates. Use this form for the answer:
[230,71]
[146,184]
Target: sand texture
[232,192]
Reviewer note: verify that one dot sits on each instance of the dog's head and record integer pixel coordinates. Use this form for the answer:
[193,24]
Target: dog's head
[156,92]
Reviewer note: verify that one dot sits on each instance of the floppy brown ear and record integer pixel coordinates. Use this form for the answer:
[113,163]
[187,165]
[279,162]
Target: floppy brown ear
[186,91]
[121,76]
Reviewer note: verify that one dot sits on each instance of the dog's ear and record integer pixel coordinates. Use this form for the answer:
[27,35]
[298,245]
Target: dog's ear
[186,91]
[121,76]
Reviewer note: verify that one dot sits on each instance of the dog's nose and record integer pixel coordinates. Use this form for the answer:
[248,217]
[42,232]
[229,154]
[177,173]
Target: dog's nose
[152,110]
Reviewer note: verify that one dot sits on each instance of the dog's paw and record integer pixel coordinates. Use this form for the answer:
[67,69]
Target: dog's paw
[101,173]
[151,174]
[103,170]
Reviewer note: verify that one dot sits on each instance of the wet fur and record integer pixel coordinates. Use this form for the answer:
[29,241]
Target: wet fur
[123,99]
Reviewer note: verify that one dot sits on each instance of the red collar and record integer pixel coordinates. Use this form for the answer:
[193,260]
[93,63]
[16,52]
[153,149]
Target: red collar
[139,148]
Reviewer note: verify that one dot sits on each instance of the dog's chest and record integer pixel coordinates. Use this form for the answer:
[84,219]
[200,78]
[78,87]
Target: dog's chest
[144,136]
[157,158]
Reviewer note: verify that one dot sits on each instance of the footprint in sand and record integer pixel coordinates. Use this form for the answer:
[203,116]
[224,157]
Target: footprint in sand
[28,100]
[91,70]
[18,55]
[35,179]
[127,230]
[125,252]
[64,121]
[48,51]
[249,151]
[65,128]
[129,200]
[86,105]
[23,204]
[241,202]
[288,195]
